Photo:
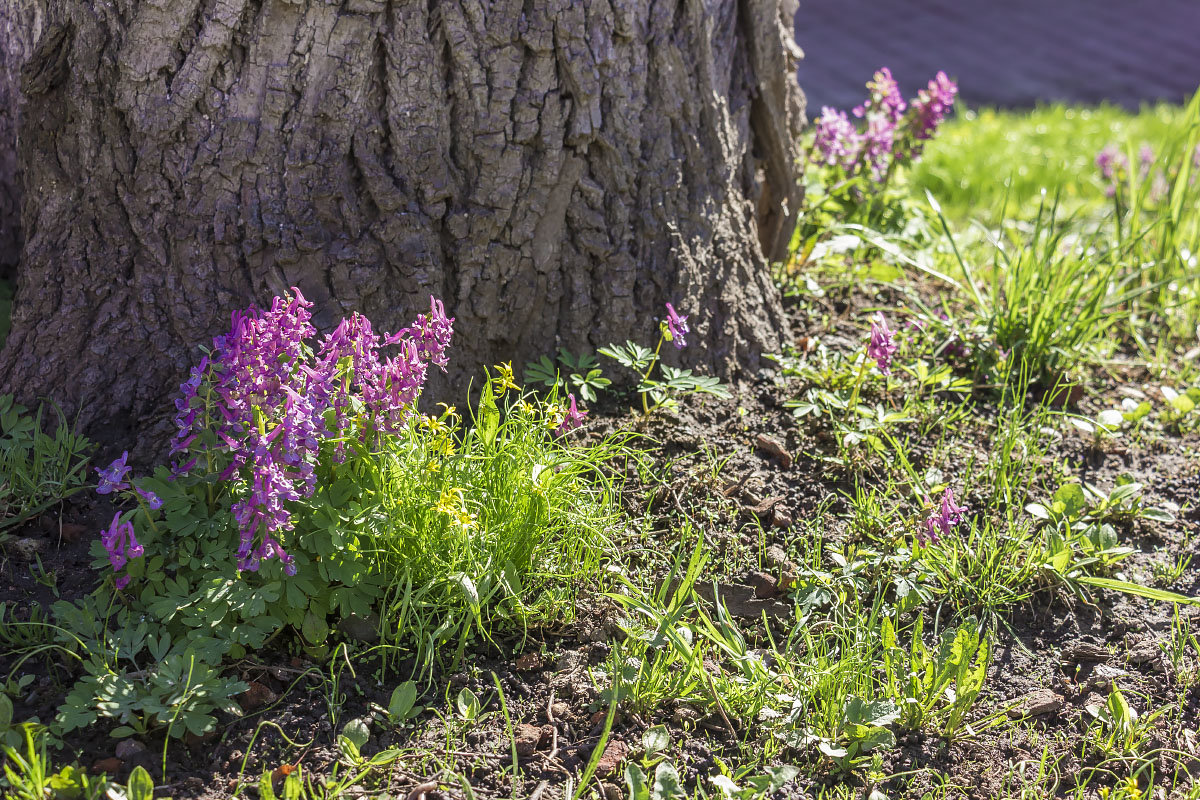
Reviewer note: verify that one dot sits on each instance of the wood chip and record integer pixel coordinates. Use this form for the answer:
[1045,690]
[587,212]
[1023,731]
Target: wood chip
[1087,652]
[775,449]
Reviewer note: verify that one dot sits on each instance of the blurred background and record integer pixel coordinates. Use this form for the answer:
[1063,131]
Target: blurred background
[1008,53]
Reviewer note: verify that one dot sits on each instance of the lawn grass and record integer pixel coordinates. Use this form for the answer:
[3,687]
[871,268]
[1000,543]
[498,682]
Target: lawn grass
[985,158]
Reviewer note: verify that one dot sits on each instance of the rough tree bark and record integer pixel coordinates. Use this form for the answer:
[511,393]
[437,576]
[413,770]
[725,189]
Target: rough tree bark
[554,169]
[20,23]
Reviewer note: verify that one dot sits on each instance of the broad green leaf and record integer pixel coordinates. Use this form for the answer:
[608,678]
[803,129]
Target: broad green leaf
[655,740]
[141,785]
[357,731]
[666,783]
[402,699]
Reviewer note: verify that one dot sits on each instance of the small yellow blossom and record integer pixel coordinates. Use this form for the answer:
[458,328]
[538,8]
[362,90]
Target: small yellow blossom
[504,379]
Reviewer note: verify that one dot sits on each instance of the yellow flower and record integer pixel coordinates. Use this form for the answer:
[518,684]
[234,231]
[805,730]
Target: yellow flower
[504,379]
[452,504]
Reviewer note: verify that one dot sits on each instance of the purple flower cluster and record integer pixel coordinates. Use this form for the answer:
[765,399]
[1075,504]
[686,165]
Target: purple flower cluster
[121,545]
[268,397]
[930,108]
[837,141]
[883,112]
[943,520]
[883,344]
[893,129]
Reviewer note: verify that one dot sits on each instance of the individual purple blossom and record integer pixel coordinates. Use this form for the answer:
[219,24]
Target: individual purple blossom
[883,344]
[942,522]
[152,500]
[573,417]
[112,477]
[1145,159]
[120,544]
[677,328]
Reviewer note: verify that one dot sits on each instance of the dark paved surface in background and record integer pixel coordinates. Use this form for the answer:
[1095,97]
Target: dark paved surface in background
[1003,52]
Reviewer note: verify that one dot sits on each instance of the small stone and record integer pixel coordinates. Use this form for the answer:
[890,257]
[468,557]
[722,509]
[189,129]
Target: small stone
[775,449]
[777,560]
[614,754]
[529,661]
[128,748]
[571,661]
[256,695]
[611,791]
[1146,652]
[781,518]
[526,738]
[72,531]
[27,548]
[1035,703]
[559,709]
[108,766]
[1104,675]
[360,628]
[765,586]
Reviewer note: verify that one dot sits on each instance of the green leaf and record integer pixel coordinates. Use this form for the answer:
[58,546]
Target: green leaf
[635,779]
[1072,498]
[401,703]
[1161,595]
[489,418]
[655,740]
[666,783]
[357,732]
[314,629]
[467,704]
[141,786]
[265,790]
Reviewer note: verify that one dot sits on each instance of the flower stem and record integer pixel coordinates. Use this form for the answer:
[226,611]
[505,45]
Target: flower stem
[862,371]
[645,407]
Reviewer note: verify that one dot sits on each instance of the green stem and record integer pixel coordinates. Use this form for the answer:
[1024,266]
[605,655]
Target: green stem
[862,371]
[645,407]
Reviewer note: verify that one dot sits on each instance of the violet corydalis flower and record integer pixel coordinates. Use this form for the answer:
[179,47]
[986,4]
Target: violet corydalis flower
[573,417]
[942,521]
[112,477]
[883,344]
[121,545]
[152,500]
[677,328]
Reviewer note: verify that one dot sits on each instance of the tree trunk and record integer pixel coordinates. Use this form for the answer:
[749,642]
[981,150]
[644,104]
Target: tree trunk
[555,170]
[19,25]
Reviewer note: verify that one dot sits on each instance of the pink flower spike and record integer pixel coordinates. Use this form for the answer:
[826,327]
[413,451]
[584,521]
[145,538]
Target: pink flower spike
[572,419]
[943,521]
[677,328]
[883,344]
